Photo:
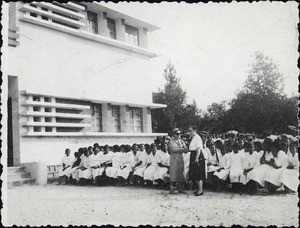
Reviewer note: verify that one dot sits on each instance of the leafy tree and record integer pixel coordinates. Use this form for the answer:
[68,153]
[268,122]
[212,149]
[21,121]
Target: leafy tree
[264,79]
[178,113]
[261,106]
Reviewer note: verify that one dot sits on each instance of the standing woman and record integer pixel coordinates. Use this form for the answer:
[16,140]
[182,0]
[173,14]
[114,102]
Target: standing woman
[176,148]
[197,171]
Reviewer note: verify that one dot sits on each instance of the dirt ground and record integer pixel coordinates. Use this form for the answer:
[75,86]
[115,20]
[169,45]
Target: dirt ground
[76,205]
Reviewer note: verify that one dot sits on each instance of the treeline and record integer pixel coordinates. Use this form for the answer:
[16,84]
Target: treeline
[259,107]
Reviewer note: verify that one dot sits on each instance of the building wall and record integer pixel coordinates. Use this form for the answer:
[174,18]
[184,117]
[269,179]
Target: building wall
[51,149]
[57,63]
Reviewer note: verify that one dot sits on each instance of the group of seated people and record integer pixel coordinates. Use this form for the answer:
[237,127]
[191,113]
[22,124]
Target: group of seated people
[139,164]
[236,164]
[251,165]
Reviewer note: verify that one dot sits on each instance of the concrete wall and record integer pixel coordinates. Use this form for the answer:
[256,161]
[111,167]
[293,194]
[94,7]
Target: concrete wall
[56,63]
[51,149]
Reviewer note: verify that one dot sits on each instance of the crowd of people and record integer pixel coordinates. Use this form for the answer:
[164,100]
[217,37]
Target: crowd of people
[236,162]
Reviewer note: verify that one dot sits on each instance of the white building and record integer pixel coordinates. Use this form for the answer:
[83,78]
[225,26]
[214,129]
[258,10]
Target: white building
[78,74]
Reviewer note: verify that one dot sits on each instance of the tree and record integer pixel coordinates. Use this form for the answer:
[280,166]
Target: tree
[261,106]
[264,79]
[178,113]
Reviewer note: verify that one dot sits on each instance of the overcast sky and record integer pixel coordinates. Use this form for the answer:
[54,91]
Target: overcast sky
[212,44]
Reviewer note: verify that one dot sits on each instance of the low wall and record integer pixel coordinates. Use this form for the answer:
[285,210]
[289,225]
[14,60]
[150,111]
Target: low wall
[50,150]
[38,171]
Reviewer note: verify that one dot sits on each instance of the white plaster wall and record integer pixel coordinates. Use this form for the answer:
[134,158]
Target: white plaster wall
[56,63]
[52,62]
[51,149]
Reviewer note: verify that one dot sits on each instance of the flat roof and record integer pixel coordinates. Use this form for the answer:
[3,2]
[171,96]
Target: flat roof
[101,7]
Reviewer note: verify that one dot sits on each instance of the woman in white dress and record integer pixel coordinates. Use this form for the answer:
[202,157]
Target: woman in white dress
[111,171]
[67,163]
[152,166]
[212,163]
[236,167]
[134,163]
[161,175]
[212,157]
[143,159]
[126,167]
[84,172]
[221,175]
[95,163]
[251,162]
[259,174]
[290,176]
[278,164]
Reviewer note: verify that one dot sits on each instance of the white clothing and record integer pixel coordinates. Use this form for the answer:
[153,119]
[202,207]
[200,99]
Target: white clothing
[141,157]
[273,175]
[116,165]
[236,167]
[196,143]
[289,177]
[161,172]
[126,167]
[87,173]
[224,162]
[212,159]
[68,161]
[149,172]
[250,161]
[186,162]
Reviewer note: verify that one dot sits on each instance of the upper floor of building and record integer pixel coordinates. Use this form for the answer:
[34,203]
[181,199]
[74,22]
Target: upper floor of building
[92,21]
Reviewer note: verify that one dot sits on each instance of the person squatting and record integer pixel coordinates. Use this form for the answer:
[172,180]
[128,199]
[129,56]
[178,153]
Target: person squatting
[237,163]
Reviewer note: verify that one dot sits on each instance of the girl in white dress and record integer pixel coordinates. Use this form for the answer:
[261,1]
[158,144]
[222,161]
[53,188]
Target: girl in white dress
[251,162]
[67,163]
[111,171]
[126,167]
[212,159]
[236,167]
[152,166]
[161,175]
[84,172]
[290,176]
[278,164]
[212,163]
[95,163]
[134,163]
[142,164]
[259,174]
[221,175]
[258,148]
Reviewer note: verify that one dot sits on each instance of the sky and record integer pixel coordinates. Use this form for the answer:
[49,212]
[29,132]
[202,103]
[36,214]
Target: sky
[211,45]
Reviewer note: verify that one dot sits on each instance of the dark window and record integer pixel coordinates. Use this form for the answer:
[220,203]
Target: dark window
[92,22]
[131,35]
[96,117]
[116,121]
[111,25]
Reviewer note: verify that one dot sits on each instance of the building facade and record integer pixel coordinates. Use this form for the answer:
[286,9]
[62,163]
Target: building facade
[78,74]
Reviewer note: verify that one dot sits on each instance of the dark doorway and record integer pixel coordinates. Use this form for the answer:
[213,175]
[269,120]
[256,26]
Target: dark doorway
[13,130]
[10,154]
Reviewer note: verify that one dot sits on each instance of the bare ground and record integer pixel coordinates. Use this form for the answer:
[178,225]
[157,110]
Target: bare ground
[74,205]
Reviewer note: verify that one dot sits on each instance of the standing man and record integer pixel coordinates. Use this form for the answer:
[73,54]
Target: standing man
[197,169]
[176,148]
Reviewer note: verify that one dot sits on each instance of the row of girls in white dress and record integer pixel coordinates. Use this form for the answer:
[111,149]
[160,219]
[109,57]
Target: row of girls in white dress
[269,164]
[118,165]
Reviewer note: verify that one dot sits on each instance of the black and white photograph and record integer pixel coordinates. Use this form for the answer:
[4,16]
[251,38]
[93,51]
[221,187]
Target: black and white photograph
[140,113]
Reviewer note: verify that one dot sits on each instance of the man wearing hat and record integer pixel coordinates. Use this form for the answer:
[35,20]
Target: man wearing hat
[176,148]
